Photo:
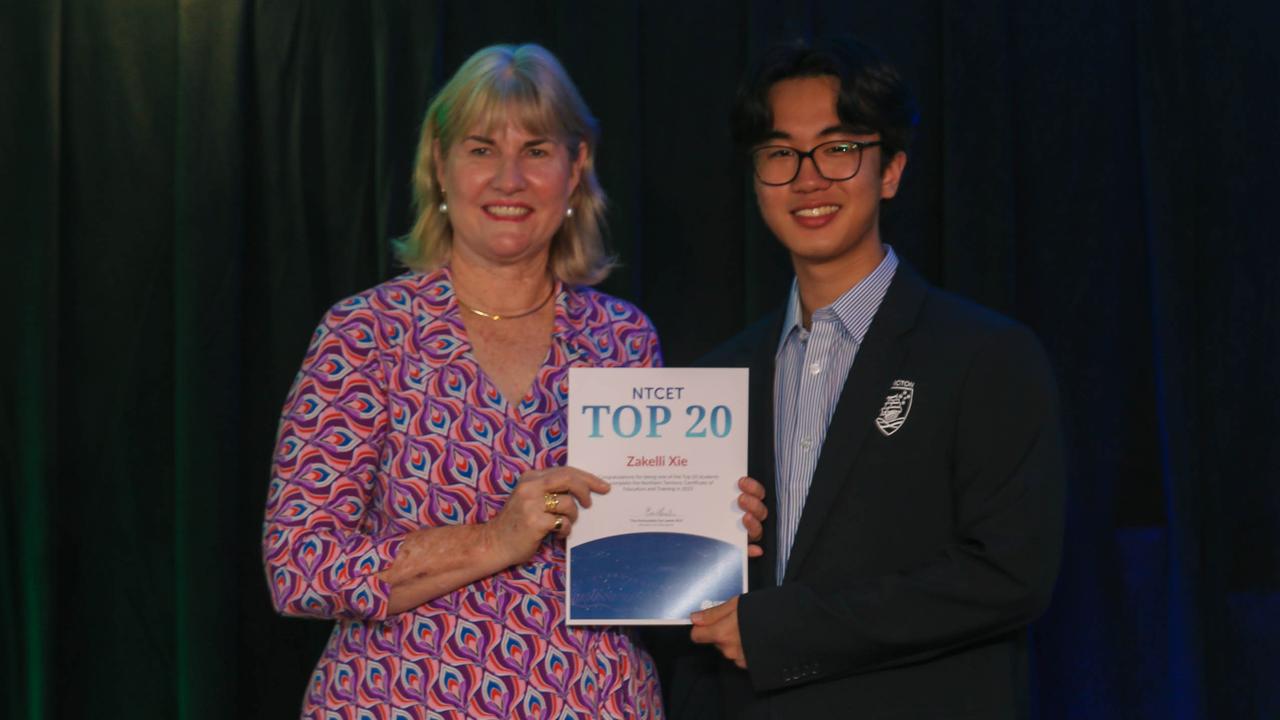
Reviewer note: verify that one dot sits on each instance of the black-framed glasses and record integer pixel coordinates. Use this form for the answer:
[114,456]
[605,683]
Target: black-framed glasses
[835,160]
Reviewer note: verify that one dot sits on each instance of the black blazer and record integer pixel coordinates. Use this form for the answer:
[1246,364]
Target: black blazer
[923,550]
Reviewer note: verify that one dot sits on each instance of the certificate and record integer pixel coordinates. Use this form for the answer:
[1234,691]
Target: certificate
[667,539]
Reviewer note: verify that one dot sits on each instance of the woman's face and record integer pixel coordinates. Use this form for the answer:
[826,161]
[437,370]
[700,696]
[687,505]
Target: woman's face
[507,191]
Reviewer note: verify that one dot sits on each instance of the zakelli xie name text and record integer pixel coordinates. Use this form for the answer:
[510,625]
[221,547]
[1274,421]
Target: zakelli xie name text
[657,461]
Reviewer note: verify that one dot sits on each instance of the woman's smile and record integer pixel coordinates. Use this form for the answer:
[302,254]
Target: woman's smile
[508,212]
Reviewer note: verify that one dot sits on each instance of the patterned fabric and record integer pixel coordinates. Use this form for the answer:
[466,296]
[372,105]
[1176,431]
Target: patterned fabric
[811,369]
[391,426]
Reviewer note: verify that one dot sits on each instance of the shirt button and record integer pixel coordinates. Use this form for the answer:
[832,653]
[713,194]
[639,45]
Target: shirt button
[806,444]
[815,368]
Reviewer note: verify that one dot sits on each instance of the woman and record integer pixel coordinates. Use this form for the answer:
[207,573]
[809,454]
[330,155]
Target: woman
[418,494]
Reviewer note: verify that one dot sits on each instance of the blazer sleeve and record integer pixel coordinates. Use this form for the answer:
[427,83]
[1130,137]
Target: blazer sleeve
[995,576]
[321,554]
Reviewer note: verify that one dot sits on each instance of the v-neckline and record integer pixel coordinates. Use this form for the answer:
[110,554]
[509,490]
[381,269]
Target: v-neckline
[484,377]
[558,321]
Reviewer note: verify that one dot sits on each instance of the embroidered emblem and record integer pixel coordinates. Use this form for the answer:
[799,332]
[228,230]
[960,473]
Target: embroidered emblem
[896,407]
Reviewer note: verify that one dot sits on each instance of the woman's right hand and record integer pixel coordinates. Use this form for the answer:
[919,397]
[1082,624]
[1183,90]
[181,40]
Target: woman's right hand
[543,502]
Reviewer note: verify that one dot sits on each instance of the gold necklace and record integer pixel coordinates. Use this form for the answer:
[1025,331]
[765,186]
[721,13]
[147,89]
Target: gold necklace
[512,316]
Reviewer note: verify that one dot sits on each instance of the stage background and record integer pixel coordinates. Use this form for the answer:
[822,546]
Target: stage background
[188,185]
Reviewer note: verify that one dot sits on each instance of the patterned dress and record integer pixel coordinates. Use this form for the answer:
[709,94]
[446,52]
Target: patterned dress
[391,426]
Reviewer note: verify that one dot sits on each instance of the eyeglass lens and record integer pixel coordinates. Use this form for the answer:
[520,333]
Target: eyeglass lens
[836,160]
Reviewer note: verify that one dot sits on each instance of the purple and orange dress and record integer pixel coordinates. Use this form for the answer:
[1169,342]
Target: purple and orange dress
[391,426]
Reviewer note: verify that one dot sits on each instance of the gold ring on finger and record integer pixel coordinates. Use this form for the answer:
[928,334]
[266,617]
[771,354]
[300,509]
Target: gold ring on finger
[559,523]
[550,502]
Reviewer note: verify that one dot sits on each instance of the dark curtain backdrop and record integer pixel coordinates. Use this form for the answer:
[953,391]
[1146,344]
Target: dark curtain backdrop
[188,185]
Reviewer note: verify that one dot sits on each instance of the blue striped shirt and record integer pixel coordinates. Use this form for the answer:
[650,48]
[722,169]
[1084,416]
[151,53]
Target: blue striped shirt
[811,369]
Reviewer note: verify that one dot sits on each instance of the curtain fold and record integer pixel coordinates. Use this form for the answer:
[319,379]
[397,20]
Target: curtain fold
[30,151]
[209,237]
[1167,116]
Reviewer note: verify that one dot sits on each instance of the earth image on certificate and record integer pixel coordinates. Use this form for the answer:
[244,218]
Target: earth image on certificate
[652,576]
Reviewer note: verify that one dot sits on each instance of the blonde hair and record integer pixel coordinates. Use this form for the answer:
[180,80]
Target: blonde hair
[524,84]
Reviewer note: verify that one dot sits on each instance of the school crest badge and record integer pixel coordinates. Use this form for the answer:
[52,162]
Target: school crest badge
[896,408]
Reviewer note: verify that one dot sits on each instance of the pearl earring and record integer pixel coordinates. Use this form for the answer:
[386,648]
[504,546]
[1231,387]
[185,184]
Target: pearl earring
[444,208]
[568,212]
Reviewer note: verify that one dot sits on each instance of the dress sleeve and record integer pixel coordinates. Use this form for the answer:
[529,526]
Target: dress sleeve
[321,549]
[646,337]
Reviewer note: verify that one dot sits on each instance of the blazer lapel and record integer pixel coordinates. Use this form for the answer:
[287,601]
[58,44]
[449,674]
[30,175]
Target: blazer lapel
[865,387]
[760,458]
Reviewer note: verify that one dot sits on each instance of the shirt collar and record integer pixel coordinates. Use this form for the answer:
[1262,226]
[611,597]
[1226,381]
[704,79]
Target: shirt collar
[849,308]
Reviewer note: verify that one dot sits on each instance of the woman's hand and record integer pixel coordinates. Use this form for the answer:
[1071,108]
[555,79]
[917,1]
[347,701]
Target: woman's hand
[543,502]
[754,513]
[433,561]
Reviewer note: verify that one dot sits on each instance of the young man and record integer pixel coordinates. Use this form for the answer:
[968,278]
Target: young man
[915,478]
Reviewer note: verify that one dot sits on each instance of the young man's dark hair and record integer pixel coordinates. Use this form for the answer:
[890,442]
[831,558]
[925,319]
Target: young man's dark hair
[872,97]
